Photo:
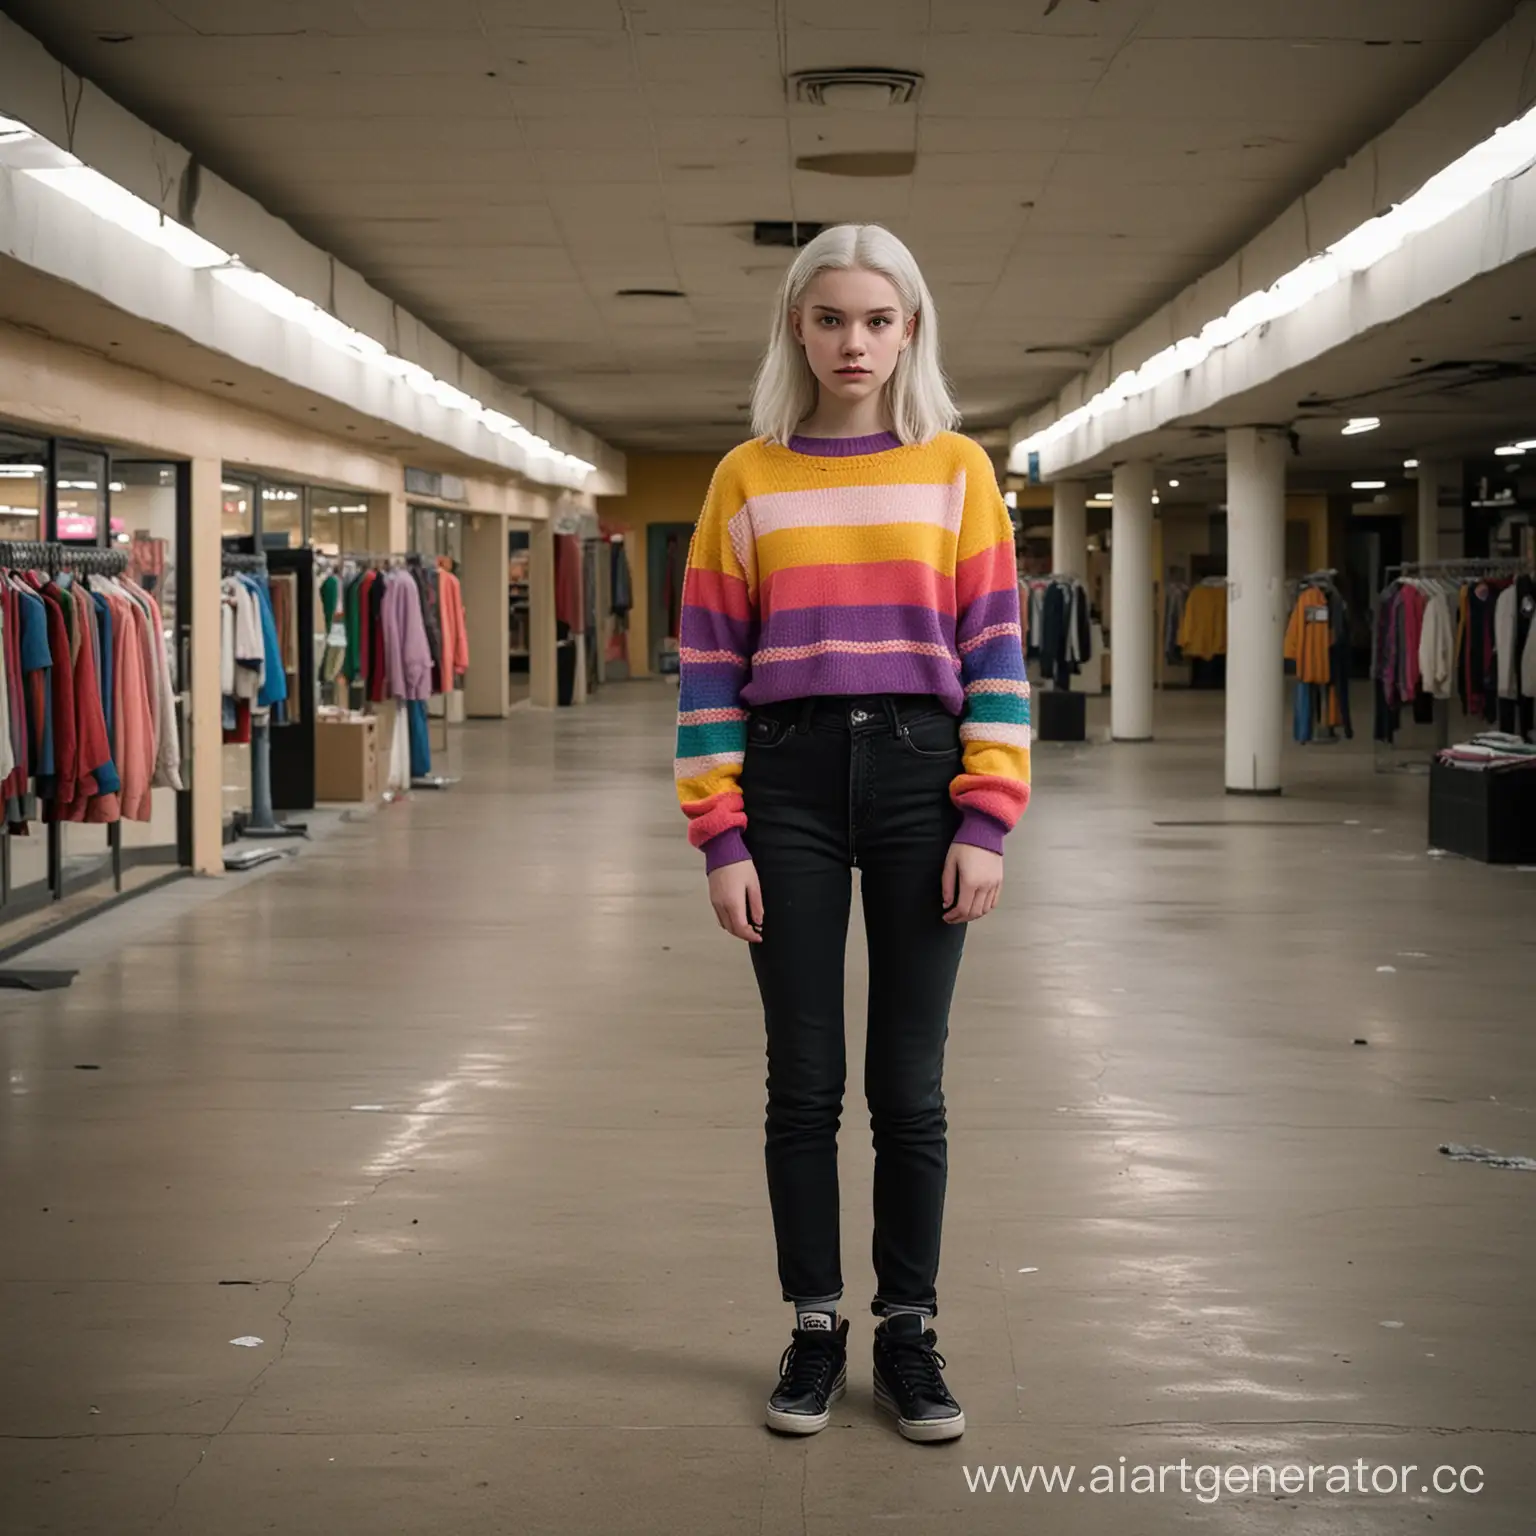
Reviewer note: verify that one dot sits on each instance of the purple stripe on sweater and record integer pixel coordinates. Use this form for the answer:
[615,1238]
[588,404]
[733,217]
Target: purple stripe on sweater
[847,675]
[989,609]
[844,447]
[882,621]
[703,629]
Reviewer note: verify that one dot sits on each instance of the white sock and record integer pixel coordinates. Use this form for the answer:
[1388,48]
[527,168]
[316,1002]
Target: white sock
[816,1319]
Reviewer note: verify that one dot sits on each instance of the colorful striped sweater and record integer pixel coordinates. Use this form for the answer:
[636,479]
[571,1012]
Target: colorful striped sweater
[884,572]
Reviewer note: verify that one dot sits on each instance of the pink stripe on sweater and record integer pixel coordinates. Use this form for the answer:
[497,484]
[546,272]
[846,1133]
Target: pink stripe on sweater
[717,592]
[995,569]
[908,582]
[853,506]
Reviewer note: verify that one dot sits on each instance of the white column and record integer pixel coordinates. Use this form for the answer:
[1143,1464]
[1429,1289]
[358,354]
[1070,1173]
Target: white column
[1255,609]
[1131,618]
[1069,529]
[1440,516]
[204,774]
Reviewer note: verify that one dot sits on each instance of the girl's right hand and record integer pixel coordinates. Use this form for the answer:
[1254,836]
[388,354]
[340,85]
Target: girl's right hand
[737,898]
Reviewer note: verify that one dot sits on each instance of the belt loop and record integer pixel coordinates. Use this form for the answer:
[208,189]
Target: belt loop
[807,713]
[892,715]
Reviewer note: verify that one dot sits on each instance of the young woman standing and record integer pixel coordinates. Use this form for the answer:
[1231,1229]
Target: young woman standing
[854,695]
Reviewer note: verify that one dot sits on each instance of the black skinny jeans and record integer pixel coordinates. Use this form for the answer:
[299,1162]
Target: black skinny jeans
[830,784]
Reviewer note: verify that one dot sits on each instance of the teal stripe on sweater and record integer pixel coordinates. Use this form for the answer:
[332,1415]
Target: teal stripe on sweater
[1003,708]
[706,740]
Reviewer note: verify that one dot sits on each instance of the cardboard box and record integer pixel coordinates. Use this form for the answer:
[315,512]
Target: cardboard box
[347,762]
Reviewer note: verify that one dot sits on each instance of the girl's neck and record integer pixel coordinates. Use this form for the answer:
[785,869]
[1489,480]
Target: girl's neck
[836,418]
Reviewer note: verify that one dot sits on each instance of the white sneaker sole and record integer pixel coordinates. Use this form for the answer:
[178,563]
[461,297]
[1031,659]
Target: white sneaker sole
[807,1423]
[922,1430]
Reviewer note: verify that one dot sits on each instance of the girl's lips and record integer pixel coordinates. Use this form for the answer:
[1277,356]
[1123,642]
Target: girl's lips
[854,373]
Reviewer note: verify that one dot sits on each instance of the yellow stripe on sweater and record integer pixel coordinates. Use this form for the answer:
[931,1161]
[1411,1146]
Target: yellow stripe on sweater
[856,546]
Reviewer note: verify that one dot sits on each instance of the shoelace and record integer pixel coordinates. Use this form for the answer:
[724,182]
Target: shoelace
[918,1364]
[807,1363]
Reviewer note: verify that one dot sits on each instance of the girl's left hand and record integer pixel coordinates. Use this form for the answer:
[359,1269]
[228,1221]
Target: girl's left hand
[973,880]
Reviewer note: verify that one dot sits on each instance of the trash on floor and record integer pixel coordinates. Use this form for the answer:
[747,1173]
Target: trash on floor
[1033,1269]
[1386,970]
[1460,1154]
[248,1341]
[1391,1325]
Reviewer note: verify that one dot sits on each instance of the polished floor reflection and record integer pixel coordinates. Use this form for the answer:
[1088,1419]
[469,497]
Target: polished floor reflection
[458,1116]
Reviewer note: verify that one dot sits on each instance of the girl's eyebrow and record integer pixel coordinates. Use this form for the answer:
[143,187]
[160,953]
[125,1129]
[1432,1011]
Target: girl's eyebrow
[827,309]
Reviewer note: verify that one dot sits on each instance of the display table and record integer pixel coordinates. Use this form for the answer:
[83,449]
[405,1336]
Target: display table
[1487,815]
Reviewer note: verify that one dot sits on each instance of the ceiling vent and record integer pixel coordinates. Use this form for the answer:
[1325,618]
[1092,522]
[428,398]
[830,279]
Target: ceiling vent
[855,90]
[784,235]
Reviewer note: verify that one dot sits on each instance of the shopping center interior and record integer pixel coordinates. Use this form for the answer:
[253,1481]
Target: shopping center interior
[382,1139]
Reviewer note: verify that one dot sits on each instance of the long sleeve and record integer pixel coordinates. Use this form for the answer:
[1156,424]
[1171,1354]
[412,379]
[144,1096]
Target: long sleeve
[718,630]
[993,787]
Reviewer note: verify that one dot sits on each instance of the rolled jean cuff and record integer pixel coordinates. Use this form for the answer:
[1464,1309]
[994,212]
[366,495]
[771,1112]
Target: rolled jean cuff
[812,1303]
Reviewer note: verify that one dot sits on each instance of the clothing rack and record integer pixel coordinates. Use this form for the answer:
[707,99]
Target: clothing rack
[86,559]
[261,823]
[83,560]
[1495,565]
[1393,755]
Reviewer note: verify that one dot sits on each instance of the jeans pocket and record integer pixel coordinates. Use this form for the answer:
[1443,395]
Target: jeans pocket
[764,733]
[935,736]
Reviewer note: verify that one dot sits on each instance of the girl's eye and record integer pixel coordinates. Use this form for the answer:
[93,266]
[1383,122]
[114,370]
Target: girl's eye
[880,322]
[828,321]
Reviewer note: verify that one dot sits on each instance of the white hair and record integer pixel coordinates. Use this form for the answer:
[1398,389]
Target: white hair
[917,393]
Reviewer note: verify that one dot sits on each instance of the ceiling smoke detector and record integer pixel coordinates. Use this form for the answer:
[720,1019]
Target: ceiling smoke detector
[855,90]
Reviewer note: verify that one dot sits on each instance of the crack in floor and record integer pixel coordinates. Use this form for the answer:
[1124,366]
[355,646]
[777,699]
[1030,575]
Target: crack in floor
[282,1312]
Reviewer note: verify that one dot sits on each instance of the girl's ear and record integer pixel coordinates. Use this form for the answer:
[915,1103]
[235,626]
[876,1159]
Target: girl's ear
[910,332]
[794,325]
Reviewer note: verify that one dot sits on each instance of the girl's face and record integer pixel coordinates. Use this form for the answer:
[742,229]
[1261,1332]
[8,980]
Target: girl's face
[853,330]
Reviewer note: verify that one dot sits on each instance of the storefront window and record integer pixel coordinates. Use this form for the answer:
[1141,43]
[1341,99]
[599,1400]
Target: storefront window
[23,482]
[438,533]
[239,509]
[338,521]
[282,516]
[82,495]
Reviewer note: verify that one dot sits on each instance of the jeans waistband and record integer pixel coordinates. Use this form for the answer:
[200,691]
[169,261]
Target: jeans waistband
[854,711]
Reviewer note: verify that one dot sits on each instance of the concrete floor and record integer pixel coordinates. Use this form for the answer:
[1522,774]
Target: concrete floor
[459,1113]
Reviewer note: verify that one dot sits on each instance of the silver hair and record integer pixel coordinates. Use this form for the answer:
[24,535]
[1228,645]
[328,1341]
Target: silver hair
[917,394]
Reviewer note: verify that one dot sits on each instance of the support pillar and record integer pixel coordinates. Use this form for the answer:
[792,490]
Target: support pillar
[205,703]
[542,678]
[1132,616]
[1069,529]
[1441,518]
[1255,609]
[388,524]
[487,695]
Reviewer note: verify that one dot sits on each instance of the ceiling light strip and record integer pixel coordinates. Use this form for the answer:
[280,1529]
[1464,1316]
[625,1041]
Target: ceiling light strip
[1506,153]
[129,212]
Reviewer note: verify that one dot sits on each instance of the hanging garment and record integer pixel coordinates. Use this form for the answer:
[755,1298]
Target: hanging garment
[1437,646]
[455,627]
[1203,629]
[408,654]
[569,592]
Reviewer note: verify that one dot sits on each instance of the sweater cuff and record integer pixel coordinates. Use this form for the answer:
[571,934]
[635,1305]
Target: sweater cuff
[980,831]
[729,847]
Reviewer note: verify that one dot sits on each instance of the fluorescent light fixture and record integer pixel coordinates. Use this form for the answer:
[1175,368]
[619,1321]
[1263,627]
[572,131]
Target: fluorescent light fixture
[20,471]
[116,204]
[1156,499]
[1173,485]
[1527,445]
[230,489]
[1367,485]
[1509,450]
[103,197]
[1410,463]
[1506,153]
[1358,424]
[78,485]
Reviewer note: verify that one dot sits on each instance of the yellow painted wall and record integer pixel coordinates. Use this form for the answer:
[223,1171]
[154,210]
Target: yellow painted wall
[662,488]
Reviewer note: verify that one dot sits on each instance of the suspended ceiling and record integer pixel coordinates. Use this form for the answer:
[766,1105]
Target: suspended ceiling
[504,167]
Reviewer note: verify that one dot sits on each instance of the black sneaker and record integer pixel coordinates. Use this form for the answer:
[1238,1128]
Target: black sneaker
[908,1383]
[812,1376]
